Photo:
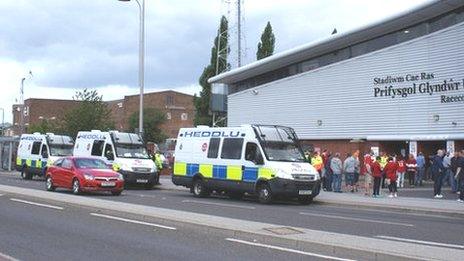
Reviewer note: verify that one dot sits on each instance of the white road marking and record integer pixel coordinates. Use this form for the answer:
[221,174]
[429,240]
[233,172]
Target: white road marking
[421,242]
[36,204]
[132,221]
[7,257]
[286,249]
[357,219]
[2,195]
[217,204]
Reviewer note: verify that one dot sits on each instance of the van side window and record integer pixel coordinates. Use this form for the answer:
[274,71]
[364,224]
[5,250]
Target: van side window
[109,152]
[232,148]
[252,153]
[97,148]
[213,149]
[44,151]
[36,147]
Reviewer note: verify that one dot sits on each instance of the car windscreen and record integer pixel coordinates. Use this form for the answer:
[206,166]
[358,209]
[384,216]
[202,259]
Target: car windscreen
[61,150]
[282,151]
[132,151]
[91,164]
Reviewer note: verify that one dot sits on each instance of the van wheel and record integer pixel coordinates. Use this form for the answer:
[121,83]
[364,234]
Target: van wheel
[76,187]
[25,173]
[305,200]
[49,184]
[198,189]
[264,194]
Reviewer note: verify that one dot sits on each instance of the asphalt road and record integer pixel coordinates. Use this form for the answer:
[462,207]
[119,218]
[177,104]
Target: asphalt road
[353,221]
[63,232]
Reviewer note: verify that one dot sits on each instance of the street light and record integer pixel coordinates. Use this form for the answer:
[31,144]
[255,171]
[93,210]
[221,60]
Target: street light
[141,4]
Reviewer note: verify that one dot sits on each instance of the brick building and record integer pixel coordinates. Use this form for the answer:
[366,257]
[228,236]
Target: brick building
[178,108]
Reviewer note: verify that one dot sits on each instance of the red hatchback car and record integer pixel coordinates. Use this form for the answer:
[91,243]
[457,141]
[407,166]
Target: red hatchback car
[84,175]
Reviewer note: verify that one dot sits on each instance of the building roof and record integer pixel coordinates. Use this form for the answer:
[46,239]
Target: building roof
[338,41]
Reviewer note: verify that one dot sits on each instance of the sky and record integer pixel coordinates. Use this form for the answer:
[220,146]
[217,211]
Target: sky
[75,44]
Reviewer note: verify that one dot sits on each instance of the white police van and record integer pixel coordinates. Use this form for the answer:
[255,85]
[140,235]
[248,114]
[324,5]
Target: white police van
[38,151]
[259,159]
[126,151]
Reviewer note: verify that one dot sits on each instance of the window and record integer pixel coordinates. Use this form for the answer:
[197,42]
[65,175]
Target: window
[184,116]
[232,148]
[213,148]
[36,147]
[67,164]
[252,153]
[58,162]
[168,116]
[109,152]
[169,100]
[44,151]
[97,148]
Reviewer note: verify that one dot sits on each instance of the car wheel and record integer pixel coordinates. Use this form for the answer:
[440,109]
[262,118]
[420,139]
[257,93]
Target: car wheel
[76,187]
[116,193]
[264,194]
[305,200]
[49,184]
[198,188]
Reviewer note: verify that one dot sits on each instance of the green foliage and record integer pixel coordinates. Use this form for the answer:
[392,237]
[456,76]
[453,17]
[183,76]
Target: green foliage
[45,126]
[202,102]
[152,121]
[91,114]
[267,44]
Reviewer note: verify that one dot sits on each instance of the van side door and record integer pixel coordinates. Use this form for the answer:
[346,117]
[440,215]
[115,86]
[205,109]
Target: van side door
[252,163]
[35,157]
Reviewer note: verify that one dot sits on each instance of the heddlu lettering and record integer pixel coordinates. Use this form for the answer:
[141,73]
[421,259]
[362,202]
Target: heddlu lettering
[211,134]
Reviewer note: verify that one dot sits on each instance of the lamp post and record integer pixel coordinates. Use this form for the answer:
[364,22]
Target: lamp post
[141,4]
[21,111]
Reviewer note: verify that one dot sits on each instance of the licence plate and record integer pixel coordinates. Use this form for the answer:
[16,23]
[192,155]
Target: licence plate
[142,180]
[108,184]
[305,192]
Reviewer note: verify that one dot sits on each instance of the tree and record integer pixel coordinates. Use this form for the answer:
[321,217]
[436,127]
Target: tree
[267,44]
[91,114]
[45,126]
[152,121]
[202,102]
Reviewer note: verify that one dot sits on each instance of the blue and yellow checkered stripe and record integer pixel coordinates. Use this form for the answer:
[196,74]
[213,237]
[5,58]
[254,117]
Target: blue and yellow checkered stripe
[31,163]
[223,172]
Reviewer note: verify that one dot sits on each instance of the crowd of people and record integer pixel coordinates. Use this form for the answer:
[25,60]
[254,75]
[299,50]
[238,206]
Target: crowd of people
[389,171]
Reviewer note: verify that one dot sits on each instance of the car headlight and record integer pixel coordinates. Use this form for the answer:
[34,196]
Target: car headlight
[120,176]
[88,176]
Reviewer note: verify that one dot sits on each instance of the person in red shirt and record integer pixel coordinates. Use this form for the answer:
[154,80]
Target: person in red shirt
[390,171]
[401,170]
[376,170]
[411,169]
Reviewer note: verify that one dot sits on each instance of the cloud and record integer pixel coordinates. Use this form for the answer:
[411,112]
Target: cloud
[75,44]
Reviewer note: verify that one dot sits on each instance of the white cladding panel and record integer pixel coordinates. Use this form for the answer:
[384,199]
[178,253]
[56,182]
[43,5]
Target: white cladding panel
[341,96]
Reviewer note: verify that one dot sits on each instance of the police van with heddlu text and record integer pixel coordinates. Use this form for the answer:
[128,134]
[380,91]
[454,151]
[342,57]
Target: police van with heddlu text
[125,151]
[256,159]
[38,151]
